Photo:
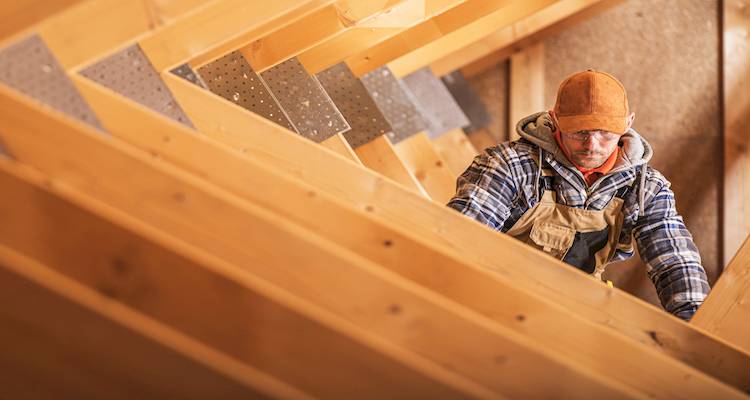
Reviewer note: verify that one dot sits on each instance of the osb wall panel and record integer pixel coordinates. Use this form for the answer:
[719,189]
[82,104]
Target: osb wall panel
[666,53]
[492,87]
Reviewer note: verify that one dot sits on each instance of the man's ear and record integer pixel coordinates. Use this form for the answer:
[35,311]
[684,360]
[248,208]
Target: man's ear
[631,118]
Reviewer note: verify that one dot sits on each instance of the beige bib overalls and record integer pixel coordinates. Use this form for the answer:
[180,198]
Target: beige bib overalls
[586,239]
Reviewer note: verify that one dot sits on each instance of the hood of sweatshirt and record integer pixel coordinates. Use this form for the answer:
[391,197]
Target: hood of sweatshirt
[538,128]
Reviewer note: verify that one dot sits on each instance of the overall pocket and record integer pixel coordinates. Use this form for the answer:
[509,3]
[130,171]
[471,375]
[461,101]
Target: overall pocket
[552,238]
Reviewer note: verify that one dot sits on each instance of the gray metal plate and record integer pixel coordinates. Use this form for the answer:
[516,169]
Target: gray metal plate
[130,73]
[29,67]
[440,110]
[232,78]
[308,106]
[355,103]
[468,100]
[185,71]
[396,104]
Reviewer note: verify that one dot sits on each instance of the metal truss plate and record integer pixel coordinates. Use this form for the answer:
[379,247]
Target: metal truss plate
[307,105]
[396,104]
[130,73]
[185,71]
[232,78]
[29,67]
[441,112]
[354,101]
[468,100]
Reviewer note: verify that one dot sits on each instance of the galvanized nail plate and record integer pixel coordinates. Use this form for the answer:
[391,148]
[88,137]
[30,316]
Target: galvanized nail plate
[130,73]
[396,104]
[441,112]
[305,102]
[354,101]
[29,67]
[232,78]
[468,100]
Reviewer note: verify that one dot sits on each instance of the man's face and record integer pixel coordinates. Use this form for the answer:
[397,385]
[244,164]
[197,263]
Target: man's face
[590,149]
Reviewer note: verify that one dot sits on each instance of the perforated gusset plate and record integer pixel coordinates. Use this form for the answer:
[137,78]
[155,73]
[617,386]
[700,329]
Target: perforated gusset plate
[185,71]
[355,103]
[232,78]
[440,110]
[305,102]
[396,104]
[130,73]
[468,100]
[29,67]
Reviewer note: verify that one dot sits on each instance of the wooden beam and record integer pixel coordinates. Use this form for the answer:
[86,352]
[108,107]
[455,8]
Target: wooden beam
[380,156]
[167,11]
[421,34]
[338,144]
[204,299]
[114,21]
[605,307]
[61,338]
[736,105]
[465,35]
[425,326]
[372,32]
[322,25]
[426,164]
[498,46]
[219,27]
[16,16]
[726,311]
[214,166]
[526,86]
[457,150]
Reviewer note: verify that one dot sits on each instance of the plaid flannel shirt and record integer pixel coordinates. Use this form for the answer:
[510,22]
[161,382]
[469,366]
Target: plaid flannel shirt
[500,186]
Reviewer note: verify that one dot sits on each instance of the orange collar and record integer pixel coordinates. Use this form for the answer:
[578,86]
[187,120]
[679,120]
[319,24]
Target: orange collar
[589,174]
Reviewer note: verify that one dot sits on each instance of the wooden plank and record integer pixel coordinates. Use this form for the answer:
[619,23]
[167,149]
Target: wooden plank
[611,309]
[526,85]
[725,312]
[167,11]
[420,323]
[736,55]
[372,32]
[498,46]
[420,156]
[456,149]
[380,156]
[214,167]
[113,21]
[338,144]
[322,25]
[251,321]
[421,34]
[61,339]
[16,16]
[217,28]
[466,35]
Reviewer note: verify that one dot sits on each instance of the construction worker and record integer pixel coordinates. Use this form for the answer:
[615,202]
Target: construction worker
[577,186]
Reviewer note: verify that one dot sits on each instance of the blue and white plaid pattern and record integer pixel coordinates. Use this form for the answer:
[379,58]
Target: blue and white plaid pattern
[501,185]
